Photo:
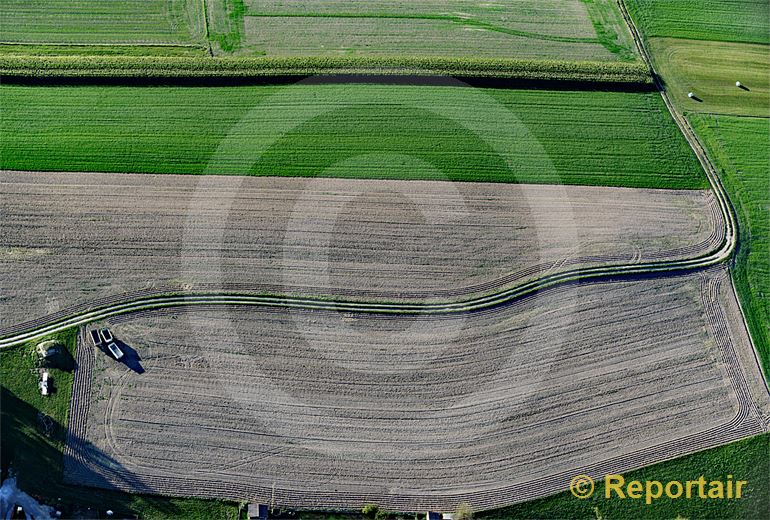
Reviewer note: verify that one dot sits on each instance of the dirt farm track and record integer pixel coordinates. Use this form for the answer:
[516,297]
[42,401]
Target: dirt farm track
[111,238]
[326,409]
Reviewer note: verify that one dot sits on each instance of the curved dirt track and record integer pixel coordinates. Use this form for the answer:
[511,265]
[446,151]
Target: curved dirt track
[113,238]
[492,407]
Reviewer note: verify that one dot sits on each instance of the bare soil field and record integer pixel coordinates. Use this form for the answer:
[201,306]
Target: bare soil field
[290,36]
[76,241]
[320,409]
[524,29]
[552,17]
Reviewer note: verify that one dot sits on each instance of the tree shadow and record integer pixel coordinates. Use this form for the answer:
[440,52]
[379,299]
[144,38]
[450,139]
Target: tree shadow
[62,360]
[333,79]
[56,479]
[660,81]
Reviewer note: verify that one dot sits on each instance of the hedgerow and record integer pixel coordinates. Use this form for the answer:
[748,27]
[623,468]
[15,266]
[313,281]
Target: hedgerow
[178,66]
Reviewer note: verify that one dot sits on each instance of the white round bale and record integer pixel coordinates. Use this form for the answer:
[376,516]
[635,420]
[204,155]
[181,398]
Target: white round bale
[737,83]
[690,95]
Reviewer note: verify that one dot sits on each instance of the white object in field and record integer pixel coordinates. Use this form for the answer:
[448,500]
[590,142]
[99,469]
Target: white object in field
[106,335]
[109,512]
[690,95]
[737,83]
[115,350]
[44,386]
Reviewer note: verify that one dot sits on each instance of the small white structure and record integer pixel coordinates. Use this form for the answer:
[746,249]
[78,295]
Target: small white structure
[690,95]
[45,384]
[115,350]
[106,335]
[96,338]
[257,511]
[738,84]
[110,512]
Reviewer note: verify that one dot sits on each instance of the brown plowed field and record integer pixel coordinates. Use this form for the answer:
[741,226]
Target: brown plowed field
[73,241]
[320,409]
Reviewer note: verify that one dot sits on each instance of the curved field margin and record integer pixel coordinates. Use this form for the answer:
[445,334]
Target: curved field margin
[325,409]
[111,239]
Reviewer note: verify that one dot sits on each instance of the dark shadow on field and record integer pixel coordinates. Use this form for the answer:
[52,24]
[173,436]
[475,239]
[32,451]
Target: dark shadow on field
[85,464]
[635,277]
[631,277]
[744,87]
[332,79]
[130,357]
[62,360]
[57,480]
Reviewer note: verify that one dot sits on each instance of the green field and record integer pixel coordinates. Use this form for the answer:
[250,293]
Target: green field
[36,458]
[740,148]
[738,145]
[721,20]
[100,21]
[746,460]
[463,134]
[710,70]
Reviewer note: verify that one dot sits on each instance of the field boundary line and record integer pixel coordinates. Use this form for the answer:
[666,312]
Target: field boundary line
[205,18]
[726,114]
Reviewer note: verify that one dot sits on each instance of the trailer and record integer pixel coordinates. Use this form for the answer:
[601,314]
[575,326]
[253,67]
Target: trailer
[96,339]
[106,335]
[115,350]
